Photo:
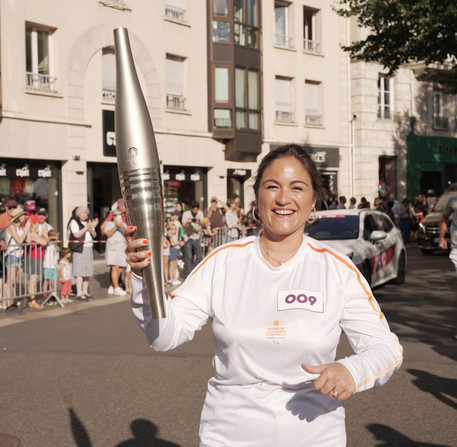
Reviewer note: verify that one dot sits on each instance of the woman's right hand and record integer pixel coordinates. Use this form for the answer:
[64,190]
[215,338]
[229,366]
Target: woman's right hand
[137,259]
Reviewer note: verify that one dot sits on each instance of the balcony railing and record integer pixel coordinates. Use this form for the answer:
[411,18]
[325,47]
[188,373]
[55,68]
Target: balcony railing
[283,40]
[313,119]
[311,46]
[440,122]
[174,13]
[109,94]
[284,117]
[40,82]
[176,102]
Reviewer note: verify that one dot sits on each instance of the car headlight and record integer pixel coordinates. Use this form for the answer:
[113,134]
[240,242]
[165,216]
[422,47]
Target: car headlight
[422,228]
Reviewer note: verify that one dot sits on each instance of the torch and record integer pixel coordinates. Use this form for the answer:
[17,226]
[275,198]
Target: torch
[139,169]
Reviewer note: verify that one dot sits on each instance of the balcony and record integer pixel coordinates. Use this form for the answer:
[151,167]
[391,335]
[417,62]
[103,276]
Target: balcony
[440,123]
[283,40]
[40,82]
[174,13]
[176,102]
[311,46]
[109,94]
[284,117]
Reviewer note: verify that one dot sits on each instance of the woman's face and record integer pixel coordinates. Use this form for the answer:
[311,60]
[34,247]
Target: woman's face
[285,198]
[83,215]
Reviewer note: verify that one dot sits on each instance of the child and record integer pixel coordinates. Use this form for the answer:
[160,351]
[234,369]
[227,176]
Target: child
[175,249]
[50,265]
[65,275]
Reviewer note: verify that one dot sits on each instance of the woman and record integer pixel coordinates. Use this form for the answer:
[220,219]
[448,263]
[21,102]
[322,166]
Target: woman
[277,302]
[232,220]
[17,232]
[82,232]
[115,249]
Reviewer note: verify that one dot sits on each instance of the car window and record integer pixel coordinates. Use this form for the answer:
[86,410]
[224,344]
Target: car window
[333,227]
[370,224]
[385,224]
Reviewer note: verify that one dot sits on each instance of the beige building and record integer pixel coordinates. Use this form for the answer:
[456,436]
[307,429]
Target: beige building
[224,81]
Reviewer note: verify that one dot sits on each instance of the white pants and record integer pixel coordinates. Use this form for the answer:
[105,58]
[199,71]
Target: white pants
[453,257]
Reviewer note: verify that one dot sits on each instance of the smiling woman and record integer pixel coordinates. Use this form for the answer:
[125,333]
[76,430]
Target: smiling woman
[278,303]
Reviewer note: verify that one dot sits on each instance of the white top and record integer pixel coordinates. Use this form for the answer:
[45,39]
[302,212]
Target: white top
[87,236]
[50,256]
[267,321]
[66,270]
[115,246]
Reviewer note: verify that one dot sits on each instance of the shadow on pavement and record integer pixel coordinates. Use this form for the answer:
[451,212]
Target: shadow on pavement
[392,438]
[144,434]
[445,390]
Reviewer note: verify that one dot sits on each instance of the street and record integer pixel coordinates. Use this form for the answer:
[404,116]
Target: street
[84,375]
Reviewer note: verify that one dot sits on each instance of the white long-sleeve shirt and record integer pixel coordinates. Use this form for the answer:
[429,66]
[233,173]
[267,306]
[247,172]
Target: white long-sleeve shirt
[267,321]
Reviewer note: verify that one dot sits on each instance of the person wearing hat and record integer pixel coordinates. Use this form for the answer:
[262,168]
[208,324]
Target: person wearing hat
[16,234]
[42,214]
[5,218]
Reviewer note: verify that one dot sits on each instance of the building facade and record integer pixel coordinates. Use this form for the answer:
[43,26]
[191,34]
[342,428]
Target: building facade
[224,80]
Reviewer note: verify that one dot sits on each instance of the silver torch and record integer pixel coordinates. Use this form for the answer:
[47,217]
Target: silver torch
[139,168]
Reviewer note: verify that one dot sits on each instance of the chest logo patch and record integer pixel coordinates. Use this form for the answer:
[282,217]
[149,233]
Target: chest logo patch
[301,299]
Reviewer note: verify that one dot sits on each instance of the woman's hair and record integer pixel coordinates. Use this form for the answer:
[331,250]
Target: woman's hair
[81,209]
[64,251]
[292,151]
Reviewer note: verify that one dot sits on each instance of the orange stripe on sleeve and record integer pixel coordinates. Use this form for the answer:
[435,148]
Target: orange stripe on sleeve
[355,270]
[217,251]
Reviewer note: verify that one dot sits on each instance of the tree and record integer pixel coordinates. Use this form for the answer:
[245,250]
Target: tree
[405,31]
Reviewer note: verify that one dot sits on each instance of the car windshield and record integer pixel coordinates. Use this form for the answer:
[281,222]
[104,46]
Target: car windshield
[334,227]
[441,203]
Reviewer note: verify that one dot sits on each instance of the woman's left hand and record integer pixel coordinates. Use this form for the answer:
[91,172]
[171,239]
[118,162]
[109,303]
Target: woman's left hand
[334,380]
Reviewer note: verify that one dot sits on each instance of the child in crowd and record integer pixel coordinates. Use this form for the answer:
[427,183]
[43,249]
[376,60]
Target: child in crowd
[175,250]
[50,265]
[65,275]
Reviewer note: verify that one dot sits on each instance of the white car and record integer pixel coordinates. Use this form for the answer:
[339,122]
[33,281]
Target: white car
[368,237]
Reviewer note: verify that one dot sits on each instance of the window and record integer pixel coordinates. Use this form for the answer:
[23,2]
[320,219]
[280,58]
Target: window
[174,69]
[220,8]
[282,36]
[247,99]
[38,59]
[222,116]
[385,97]
[283,98]
[310,30]
[221,31]
[439,122]
[313,113]
[246,23]
[108,75]
[174,10]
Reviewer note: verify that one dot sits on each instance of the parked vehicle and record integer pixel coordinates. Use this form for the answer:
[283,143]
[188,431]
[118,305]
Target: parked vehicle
[368,237]
[428,236]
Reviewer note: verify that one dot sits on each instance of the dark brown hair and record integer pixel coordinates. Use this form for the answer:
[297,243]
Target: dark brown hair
[293,151]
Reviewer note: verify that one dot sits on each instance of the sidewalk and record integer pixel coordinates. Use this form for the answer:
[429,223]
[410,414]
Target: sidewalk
[98,286]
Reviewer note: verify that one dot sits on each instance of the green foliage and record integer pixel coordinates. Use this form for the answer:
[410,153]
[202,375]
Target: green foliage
[405,31]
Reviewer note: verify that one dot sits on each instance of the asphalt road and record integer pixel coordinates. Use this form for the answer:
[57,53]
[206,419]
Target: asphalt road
[84,376]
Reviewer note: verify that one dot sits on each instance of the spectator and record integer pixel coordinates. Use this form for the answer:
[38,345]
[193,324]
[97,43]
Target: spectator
[191,221]
[332,202]
[115,249]
[43,215]
[393,207]
[431,199]
[5,218]
[404,219]
[232,221]
[50,264]
[82,232]
[215,213]
[207,234]
[352,203]
[178,208]
[423,207]
[174,218]
[416,217]
[175,251]
[65,275]
[166,257]
[365,204]
[15,235]
[342,203]
[30,207]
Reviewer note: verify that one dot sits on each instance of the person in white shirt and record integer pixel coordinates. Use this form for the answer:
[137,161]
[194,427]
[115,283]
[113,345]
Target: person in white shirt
[278,303]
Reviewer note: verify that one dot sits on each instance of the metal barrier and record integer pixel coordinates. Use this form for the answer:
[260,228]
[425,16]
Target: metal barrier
[24,276]
[224,235]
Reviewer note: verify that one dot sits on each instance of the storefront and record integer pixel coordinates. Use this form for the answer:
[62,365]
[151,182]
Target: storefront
[235,182]
[30,180]
[432,164]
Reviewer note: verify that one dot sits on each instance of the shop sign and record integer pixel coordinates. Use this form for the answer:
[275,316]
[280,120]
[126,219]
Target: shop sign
[447,149]
[23,172]
[166,176]
[239,172]
[45,173]
[180,177]
[324,157]
[2,170]
[195,177]
[109,137]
